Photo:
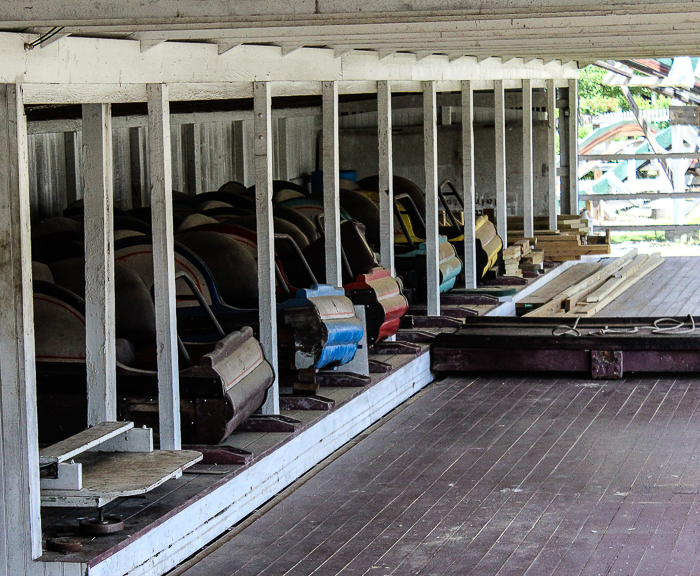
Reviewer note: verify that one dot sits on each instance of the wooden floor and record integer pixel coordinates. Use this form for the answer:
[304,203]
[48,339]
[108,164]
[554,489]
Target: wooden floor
[672,289]
[499,477]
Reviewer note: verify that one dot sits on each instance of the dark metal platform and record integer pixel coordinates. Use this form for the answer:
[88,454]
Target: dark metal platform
[494,476]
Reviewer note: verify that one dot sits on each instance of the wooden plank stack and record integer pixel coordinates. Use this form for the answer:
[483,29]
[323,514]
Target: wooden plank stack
[511,260]
[595,290]
[569,242]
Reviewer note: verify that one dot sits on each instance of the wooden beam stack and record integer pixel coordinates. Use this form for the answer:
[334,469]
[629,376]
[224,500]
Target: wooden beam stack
[511,260]
[569,242]
[596,288]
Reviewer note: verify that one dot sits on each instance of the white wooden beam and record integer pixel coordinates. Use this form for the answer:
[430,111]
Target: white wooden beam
[469,187]
[160,169]
[501,192]
[431,197]
[20,520]
[386,175]
[331,186]
[146,45]
[528,175]
[573,146]
[552,154]
[267,301]
[100,335]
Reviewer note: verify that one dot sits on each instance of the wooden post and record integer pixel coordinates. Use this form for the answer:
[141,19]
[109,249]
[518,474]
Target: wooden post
[267,301]
[470,274]
[160,163]
[331,185]
[71,167]
[501,193]
[193,156]
[100,357]
[386,175]
[431,197]
[572,145]
[20,520]
[552,153]
[528,175]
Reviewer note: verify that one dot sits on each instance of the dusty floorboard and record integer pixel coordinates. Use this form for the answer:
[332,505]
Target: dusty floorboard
[672,289]
[499,477]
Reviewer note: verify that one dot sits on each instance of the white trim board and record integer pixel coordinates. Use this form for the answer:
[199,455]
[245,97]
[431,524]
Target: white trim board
[195,525]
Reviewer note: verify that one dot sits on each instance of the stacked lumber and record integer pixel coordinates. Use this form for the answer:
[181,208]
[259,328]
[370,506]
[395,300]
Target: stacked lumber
[511,261]
[569,242]
[598,288]
[566,224]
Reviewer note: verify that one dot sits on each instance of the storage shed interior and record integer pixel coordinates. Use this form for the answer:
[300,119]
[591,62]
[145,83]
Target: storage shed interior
[237,235]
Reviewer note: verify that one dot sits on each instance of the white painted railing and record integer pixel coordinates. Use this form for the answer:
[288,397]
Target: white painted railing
[653,115]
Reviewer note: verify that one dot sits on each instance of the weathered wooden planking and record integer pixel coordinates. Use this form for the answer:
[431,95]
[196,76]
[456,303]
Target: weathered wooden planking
[82,442]
[109,475]
[498,477]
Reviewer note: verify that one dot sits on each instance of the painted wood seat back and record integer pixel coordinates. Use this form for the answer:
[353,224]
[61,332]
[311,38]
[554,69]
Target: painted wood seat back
[245,378]
[326,331]
[411,267]
[59,320]
[488,245]
[312,208]
[382,295]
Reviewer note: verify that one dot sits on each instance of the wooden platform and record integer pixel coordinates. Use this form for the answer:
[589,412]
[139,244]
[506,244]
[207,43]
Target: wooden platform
[536,477]
[673,289]
[176,519]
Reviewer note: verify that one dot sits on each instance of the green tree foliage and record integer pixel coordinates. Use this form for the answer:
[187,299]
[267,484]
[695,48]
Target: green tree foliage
[598,98]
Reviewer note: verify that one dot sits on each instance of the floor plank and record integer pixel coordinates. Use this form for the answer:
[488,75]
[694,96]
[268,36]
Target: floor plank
[498,476]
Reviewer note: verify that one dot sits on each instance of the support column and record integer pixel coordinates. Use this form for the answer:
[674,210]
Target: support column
[20,520]
[677,176]
[386,176]
[552,153]
[331,185]
[100,358]
[160,163]
[528,175]
[501,193]
[431,197]
[572,145]
[267,301]
[470,273]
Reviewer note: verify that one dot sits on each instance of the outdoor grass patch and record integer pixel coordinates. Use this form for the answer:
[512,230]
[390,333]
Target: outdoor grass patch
[650,236]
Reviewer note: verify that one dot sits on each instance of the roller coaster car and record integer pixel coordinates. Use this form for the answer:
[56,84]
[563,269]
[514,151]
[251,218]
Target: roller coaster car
[357,256]
[326,331]
[226,386]
[411,266]
[381,294]
[198,297]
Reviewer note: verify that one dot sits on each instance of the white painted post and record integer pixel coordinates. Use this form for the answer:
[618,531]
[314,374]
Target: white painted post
[100,357]
[331,184]
[528,175]
[20,519]
[160,163]
[501,193]
[552,153]
[431,197]
[469,193]
[573,146]
[267,301]
[386,176]
[678,174]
